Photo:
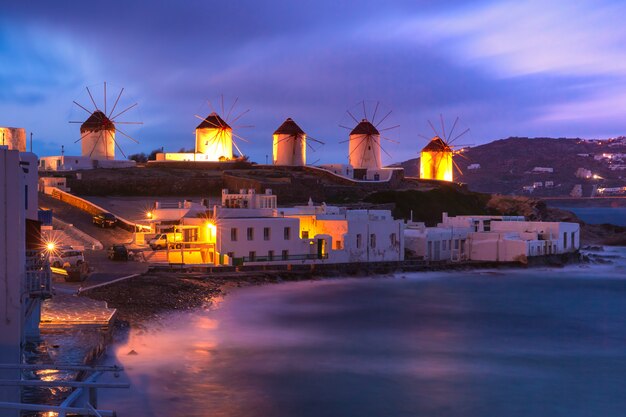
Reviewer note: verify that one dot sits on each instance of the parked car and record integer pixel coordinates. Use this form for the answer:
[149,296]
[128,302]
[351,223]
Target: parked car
[163,240]
[69,256]
[104,220]
[117,253]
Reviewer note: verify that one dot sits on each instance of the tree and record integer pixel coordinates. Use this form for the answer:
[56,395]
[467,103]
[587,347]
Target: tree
[138,157]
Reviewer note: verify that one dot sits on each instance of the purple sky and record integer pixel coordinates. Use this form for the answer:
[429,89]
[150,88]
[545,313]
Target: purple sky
[506,68]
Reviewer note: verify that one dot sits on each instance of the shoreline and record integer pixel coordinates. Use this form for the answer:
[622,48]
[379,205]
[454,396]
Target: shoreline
[159,292]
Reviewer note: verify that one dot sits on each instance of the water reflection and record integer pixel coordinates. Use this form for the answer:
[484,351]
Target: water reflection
[513,343]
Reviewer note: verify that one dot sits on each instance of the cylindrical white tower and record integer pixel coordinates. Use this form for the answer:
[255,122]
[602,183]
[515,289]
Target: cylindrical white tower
[98,137]
[436,161]
[214,138]
[289,144]
[364,150]
[14,138]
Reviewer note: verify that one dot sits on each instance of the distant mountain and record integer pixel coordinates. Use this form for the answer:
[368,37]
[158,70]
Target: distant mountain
[506,166]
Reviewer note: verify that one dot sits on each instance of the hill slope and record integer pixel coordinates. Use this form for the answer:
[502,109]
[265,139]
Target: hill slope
[506,166]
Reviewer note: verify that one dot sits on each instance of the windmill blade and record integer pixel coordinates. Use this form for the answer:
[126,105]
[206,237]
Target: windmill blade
[116,144]
[82,137]
[454,125]
[92,100]
[390,128]
[375,110]
[94,146]
[383,119]
[242,126]
[346,127]
[239,137]
[433,128]
[237,147]
[443,127]
[222,96]
[124,111]
[390,140]
[383,149]
[351,115]
[315,162]
[211,106]
[364,111]
[105,97]
[115,104]
[73,121]
[238,117]
[310,146]
[357,146]
[231,108]
[316,140]
[457,167]
[460,135]
[82,107]
[344,141]
[220,126]
[129,137]
[422,136]
[128,123]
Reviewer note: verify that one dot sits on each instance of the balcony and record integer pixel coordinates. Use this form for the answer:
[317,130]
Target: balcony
[38,275]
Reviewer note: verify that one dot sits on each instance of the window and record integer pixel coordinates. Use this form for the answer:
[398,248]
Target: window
[270,255]
[372,240]
[338,245]
[358,241]
[26,199]
[266,233]
[233,234]
[573,242]
[564,240]
[252,256]
[231,255]
[287,233]
[285,255]
[393,239]
[456,244]
[305,234]
[250,233]
[443,245]
[487,225]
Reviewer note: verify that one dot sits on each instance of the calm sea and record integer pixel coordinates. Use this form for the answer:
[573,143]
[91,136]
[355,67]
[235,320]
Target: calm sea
[536,342]
[599,215]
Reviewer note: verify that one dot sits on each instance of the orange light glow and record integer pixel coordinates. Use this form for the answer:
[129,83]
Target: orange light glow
[436,166]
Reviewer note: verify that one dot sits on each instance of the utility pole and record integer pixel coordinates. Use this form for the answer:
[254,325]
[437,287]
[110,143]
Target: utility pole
[31,141]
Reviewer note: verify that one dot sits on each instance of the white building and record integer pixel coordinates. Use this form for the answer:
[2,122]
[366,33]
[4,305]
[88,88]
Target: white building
[491,238]
[543,170]
[24,273]
[473,167]
[249,228]
[46,184]
[74,163]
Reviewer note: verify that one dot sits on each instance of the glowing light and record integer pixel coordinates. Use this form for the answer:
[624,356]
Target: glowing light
[50,246]
[436,166]
[149,214]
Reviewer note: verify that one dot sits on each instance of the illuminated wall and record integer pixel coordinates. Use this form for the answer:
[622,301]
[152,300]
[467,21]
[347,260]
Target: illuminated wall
[98,144]
[215,143]
[436,165]
[364,151]
[14,138]
[289,149]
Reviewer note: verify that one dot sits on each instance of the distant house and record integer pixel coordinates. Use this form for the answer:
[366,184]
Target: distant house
[537,184]
[583,173]
[549,184]
[472,167]
[543,170]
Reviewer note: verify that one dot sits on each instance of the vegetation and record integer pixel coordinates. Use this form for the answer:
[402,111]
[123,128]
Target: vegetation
[427,206]
[142,157]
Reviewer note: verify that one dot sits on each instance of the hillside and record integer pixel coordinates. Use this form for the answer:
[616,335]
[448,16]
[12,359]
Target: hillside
[506,166]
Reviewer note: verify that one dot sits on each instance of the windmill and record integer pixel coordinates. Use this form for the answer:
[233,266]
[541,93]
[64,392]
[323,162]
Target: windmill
[98,132]
[437,157]
[214,135]
[364,150]
[290,143]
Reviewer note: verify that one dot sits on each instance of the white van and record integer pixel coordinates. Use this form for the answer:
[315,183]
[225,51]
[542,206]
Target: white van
[73,257]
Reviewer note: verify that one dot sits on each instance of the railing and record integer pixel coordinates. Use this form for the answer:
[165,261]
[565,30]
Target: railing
[279,257]
[38,275]
[83,400]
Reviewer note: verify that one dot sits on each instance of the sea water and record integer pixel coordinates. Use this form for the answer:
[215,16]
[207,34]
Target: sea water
[527,342]
[600,215]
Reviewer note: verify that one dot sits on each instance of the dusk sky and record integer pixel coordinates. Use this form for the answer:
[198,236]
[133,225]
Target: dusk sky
[506,68]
